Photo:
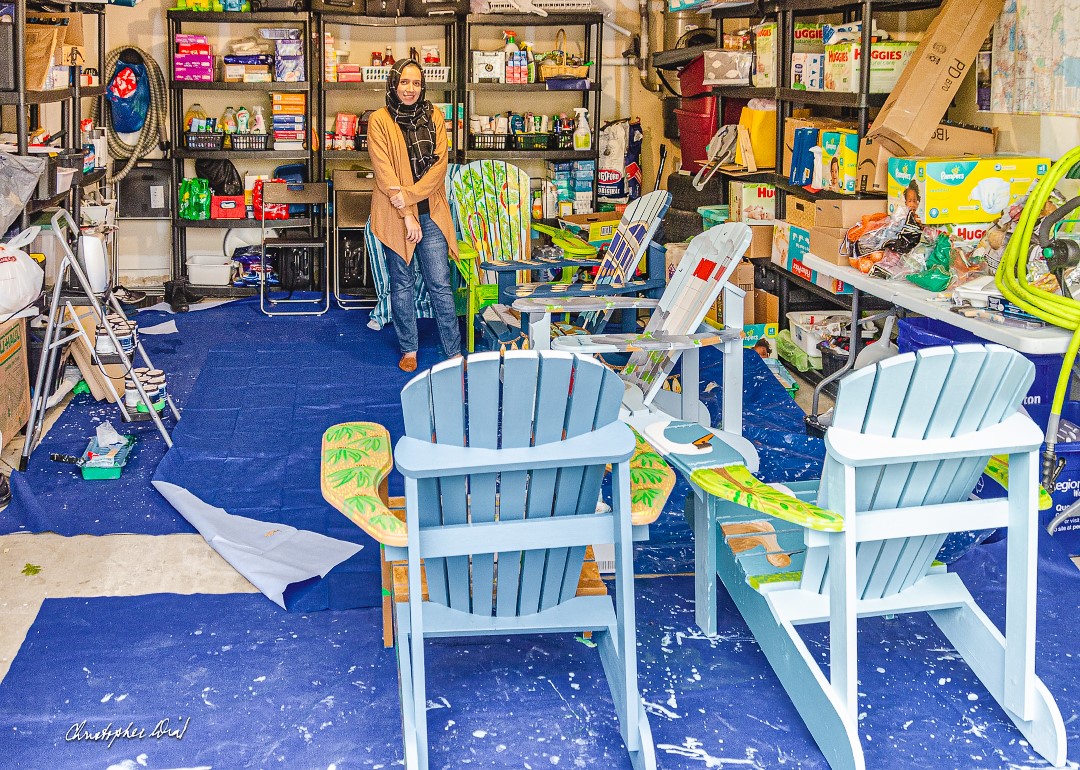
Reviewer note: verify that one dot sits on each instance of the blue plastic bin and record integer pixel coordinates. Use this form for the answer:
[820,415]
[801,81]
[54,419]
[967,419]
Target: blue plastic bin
[920,333]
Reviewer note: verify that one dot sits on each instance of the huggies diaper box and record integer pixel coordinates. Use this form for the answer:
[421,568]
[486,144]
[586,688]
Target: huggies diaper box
[965,190]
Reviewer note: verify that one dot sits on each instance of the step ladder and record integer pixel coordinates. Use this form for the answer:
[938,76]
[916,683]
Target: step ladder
[72,303]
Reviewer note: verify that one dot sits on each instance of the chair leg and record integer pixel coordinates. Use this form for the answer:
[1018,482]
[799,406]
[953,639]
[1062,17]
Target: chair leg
[387,574]
[643,753]
[411,683]
[795,667]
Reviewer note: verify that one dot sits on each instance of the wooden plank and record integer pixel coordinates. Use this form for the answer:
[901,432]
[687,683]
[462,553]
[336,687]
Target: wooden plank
[451,505]
[483,373]
[520,371]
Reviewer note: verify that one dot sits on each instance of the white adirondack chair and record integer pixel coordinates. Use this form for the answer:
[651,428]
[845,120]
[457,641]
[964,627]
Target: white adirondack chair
[503,459]
[910,438]
[675,333]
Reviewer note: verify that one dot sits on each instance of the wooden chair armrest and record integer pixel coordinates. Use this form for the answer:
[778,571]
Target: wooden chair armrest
[628,343]
[651,482]
[581,304]
[736,484]
[356,459]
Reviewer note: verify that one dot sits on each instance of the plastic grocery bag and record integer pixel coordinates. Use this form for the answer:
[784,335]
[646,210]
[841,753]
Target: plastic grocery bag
[18,181]
[194,199]
[20,276]
[267,210]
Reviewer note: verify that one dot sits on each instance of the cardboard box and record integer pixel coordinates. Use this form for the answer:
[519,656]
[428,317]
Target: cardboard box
[752,202]
[947,140]
[820,123]
[791,244]
[808,71]
[14,379]
[97,381]
[829,243]
[840,160]
[743,277]
[966,190]
[930,81]
[800,212]
[761,242]
[766,307]
[673,254]
[597,229]
[845,213]
[888,59]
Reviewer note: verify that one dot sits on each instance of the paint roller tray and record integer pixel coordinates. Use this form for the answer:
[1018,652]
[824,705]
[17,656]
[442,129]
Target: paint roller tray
[99,462]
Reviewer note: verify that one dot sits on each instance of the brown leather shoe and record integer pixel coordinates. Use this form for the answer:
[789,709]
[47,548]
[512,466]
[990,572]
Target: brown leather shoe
[407,362]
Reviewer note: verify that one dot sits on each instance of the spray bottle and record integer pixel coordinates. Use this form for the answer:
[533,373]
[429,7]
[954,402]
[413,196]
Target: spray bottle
[583,132]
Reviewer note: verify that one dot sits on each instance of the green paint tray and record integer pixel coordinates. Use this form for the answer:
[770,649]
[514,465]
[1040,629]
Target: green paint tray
[99,462]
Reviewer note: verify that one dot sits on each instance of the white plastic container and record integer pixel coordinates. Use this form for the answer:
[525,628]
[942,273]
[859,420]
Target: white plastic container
[64,177]
[209,270]
[809,326]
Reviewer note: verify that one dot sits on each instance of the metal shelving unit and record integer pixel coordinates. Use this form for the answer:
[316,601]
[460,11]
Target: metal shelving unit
[27,103]
[178,22]
[592,30]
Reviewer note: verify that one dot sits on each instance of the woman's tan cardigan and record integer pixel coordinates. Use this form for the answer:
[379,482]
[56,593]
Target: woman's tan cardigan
[390,160]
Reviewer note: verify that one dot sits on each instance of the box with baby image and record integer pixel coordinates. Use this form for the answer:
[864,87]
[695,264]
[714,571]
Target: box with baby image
[965,190]
[840,160]
[752,202]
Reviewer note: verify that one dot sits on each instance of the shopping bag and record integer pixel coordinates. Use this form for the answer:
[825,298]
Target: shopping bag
[760,127]
[20,276]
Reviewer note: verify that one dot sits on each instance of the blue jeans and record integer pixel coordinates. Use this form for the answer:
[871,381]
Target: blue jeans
[431,255]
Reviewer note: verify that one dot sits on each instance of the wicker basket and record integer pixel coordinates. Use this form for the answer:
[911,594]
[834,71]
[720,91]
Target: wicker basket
[204,141]
[489,141]
[557,67]
[248,141]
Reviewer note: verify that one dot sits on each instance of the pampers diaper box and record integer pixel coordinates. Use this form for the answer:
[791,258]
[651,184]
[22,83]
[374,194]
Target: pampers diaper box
[965,190]
[840,160]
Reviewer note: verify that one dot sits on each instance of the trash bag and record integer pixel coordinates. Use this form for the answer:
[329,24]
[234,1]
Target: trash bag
[129,94]
[222,175]
[20,276]
[18,180]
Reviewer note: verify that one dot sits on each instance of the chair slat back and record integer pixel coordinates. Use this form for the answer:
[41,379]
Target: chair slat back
[636,229]
[494,209]
[934,393]
[707,265]
[524,398]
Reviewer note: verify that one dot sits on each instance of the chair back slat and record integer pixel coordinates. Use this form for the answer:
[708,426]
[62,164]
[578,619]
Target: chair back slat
[520,373]
[494,209]
[483,391]
[709,261]
[448,410]
[935,393]
[636,229]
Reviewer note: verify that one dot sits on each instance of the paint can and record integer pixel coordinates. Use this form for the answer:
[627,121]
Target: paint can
[103,344]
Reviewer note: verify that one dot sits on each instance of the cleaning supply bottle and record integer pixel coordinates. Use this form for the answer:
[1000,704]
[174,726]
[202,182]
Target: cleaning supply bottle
[193,112]
[510,38]
[583,132]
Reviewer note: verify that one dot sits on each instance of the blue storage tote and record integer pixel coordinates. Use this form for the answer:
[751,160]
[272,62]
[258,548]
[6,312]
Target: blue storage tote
[920,333]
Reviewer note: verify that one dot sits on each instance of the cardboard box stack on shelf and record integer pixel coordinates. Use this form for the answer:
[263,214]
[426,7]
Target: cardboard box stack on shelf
[569,187]
[289,120]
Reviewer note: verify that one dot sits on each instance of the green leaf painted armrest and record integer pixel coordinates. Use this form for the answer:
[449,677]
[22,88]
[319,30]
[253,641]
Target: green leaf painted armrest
[356,460]
[736,484]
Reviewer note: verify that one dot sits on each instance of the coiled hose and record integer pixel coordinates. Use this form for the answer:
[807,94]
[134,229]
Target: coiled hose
[153,132]
[1011,279]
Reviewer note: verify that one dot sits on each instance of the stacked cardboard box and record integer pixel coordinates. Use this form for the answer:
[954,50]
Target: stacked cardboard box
[194,59]
[572,183]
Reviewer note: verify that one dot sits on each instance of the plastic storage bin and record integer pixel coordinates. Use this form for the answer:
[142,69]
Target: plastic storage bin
[209,270]
[713,215]
[695,131]
[809,326]
[920,333]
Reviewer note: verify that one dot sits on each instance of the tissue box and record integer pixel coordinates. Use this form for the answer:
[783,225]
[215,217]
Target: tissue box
[728,68]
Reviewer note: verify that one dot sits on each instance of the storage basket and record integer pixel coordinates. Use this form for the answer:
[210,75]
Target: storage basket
[489,141]
[562,141]
[557,67]
[808,328]
[209,270]
[375,74]
[248,141]
[436,73]
[531,141]
[204,141]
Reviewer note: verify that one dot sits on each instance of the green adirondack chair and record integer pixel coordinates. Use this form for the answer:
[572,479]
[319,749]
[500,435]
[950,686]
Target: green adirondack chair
[910,438]
[503,457]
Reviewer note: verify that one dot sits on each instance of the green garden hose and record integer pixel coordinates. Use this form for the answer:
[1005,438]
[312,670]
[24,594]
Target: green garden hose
[1011,280]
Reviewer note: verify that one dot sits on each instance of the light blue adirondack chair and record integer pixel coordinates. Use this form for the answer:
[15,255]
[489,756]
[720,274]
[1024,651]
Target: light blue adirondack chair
[909,440]
[503,459]
[674,334]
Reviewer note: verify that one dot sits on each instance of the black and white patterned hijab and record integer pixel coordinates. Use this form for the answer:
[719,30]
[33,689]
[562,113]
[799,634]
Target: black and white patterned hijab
[414,120]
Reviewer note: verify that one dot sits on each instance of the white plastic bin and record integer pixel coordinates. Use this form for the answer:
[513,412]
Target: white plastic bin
[809,326]
[209,270]
[64,177]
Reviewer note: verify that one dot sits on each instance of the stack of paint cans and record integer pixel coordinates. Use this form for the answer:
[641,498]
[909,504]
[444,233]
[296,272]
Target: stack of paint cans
[126,332]
[153,384]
